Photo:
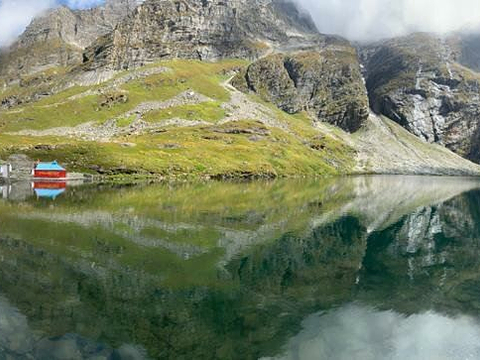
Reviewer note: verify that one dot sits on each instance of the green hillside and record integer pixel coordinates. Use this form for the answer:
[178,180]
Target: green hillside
[174,118]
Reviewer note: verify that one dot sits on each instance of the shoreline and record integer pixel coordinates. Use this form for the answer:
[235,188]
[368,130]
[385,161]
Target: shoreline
[131,179]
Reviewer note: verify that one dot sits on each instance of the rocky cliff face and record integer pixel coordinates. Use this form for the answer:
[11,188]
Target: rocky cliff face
[60,36]
[323,79]
[422,82]
[205,30]
[327,83]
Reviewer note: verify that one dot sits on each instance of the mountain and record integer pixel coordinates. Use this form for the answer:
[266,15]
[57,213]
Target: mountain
[59,37]
[233,89]
[429,85]
[326,83]
[204,30]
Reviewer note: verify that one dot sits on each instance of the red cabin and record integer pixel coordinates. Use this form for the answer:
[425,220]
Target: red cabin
[49,171]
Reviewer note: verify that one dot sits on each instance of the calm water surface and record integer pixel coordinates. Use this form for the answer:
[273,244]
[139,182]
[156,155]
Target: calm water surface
[356,268]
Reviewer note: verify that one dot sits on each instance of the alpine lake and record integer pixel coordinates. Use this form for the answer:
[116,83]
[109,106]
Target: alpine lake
[371,267]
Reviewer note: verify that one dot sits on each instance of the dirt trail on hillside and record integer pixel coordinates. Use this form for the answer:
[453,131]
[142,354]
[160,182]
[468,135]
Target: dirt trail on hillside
[239,107]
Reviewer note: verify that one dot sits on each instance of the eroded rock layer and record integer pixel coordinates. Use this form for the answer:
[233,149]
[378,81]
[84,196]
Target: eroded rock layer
[205,30]
[327,83]
[419,81]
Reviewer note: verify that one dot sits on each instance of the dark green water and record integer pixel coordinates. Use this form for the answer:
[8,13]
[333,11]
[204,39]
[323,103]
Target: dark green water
[357,268]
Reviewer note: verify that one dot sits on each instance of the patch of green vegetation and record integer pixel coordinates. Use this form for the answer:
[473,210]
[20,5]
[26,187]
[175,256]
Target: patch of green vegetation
[202,77]
[62,96]
[58,110]
[211,111]
[193,152]
[125,121]
[69,113]
[240,149]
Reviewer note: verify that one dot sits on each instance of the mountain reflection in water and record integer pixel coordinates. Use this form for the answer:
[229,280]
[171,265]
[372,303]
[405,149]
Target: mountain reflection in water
[232,270]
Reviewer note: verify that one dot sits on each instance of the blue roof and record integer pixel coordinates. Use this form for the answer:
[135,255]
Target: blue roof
[49,193]
[49,166]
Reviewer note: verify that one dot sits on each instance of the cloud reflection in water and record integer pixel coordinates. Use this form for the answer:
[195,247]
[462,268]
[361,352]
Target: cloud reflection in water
[358,332]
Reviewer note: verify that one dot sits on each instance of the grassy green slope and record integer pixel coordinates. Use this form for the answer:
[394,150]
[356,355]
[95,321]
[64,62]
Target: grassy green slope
[212,148]
[180,118]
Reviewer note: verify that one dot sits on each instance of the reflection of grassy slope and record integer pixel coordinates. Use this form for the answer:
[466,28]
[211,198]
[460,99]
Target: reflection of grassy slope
[180,151]
[86,279]
[103,226]
[127,305]
[212,220]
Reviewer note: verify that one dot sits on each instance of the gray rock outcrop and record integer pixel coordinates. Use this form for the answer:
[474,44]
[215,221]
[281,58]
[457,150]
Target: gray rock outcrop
[59,37]
[419,82]
[327,83]
[206,30]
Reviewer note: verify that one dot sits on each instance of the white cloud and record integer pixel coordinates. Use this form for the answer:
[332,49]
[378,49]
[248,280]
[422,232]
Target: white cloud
[375,19]
[357,332]
[15,15]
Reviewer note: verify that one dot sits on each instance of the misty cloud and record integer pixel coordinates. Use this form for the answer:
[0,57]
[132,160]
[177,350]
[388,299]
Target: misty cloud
[15,15]
[363,20]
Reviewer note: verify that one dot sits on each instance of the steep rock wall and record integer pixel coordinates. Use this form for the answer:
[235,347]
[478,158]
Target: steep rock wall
[418,82]
[327,83]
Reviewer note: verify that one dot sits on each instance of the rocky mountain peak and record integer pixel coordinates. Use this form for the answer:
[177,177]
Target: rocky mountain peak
[207,30]
[76,27]
[59,37]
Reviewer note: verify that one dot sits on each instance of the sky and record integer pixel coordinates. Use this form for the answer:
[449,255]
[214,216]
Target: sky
[359,20]
[367,20]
